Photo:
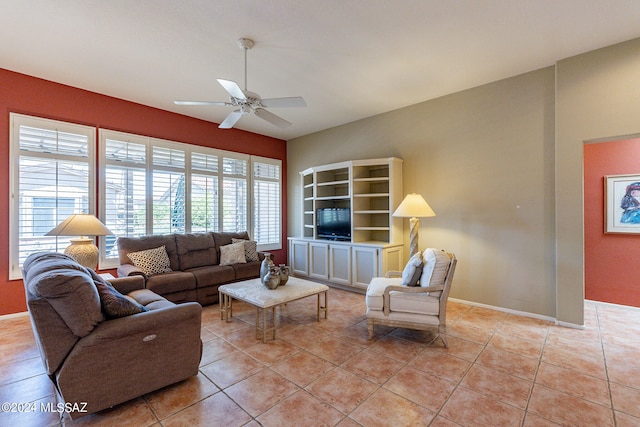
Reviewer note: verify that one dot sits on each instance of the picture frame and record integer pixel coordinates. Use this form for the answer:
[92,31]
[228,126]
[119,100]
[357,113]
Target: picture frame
[622,204]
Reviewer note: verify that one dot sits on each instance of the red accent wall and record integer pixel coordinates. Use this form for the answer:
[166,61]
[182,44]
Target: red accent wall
[23,94]
[612,270]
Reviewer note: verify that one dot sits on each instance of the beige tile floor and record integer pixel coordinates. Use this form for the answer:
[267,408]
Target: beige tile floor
[500,370]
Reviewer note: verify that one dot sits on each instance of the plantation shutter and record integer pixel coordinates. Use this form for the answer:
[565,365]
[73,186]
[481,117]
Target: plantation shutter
[267,203]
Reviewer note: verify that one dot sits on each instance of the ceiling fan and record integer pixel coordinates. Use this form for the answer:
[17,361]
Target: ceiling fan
[249,101]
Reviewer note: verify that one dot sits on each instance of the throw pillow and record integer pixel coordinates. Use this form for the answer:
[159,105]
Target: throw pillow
[151,261]
[250,249]
[232,254]
[436,266]
[114,304]
[412,271]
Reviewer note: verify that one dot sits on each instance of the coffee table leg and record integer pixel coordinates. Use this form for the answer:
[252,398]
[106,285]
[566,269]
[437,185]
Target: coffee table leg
[323,309]
[264,326]
[273,317]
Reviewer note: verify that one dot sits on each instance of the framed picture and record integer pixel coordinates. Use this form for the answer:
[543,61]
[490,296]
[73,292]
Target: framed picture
[622,204]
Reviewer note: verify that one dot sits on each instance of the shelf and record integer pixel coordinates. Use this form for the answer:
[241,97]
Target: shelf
[372,211]
[370,188]
[374,179]
[372,228]
[322,184]
[372,195]
[333,198]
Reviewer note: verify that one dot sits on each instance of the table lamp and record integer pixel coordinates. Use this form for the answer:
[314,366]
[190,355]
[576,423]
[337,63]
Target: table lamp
[413,206]
[81,249]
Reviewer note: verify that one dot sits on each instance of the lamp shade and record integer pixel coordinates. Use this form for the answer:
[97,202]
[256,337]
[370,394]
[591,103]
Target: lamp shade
[80,225]
[414,206]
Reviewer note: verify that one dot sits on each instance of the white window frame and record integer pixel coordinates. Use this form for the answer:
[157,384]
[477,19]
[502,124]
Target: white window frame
[16,121]
[188,149]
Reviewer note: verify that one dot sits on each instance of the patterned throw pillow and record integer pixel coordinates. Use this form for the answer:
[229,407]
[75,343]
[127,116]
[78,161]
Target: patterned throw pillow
[232,254]
[250,249]
[151,261]
[412,271]
[113,303]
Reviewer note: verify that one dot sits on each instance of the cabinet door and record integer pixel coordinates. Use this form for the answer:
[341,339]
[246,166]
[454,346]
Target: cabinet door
[319,260]
[299,257]
[365,265]
[340,264]
[391,260]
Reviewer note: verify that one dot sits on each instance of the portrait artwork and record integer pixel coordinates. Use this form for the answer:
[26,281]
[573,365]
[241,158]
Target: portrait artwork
[622,204]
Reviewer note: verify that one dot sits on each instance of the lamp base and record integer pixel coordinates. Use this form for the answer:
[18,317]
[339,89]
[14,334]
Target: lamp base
[84,252]
[414,224]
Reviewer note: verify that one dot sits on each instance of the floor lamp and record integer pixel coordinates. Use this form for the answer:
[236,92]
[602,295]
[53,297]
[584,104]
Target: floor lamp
[414,206]
[81,249]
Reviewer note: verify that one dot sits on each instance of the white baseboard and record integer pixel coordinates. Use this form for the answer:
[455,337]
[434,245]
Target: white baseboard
[519,313]
[9,316]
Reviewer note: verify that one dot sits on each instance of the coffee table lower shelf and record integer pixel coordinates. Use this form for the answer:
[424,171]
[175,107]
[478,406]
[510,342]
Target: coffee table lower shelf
[255,293]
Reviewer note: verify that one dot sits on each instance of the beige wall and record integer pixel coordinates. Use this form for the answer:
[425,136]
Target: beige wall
[501,165]
[598,96]
[483,159]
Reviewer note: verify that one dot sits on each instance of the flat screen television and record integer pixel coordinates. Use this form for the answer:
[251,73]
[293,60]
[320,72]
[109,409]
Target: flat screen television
[333,223]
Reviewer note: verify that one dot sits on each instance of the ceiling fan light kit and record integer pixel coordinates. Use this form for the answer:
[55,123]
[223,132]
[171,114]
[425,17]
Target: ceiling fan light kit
[249,101]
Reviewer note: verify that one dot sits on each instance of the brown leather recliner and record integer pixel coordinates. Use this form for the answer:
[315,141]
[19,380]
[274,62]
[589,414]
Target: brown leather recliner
[95,360]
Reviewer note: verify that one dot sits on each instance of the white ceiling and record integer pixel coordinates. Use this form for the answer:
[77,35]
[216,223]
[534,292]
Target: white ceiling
[349,59]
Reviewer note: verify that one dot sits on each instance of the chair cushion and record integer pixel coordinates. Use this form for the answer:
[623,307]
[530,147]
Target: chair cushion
[414,303]
[151,261]
[412,271]
[436,266]
[375,291]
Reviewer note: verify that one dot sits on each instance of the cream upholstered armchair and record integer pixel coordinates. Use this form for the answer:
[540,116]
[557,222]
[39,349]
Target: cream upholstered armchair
[415,298]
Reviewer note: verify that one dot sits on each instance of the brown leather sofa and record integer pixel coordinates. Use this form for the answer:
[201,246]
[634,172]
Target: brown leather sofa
[195,263]
[96,352]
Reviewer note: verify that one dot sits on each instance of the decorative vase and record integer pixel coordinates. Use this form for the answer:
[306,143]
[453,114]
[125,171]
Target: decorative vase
[284,274]
[272,278]
[267,263]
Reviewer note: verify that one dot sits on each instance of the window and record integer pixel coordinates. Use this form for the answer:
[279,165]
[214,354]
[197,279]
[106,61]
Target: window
[51,178]
[123,207]
[266,202]
[234,194]
[151,186]
[146,186]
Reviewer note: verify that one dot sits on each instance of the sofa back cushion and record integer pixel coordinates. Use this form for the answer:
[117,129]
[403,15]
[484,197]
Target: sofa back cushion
[137,244]
[67,287]
[196,250]
[226,238]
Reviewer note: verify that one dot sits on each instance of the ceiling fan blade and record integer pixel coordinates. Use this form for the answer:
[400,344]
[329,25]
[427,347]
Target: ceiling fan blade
[271,118]
[232,88]
[231,119]
[294,101]
[202,103]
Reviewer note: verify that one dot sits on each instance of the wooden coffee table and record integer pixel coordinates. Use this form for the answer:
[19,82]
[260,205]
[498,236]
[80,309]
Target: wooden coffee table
[255,293]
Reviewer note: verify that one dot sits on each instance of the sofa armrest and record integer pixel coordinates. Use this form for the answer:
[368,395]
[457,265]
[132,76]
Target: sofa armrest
[126,270]
[153,320]
[393,273]
[127,357]
[124,285]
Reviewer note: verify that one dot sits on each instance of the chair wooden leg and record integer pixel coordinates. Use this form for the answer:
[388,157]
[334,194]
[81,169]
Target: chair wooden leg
[442,333]
[370,328]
